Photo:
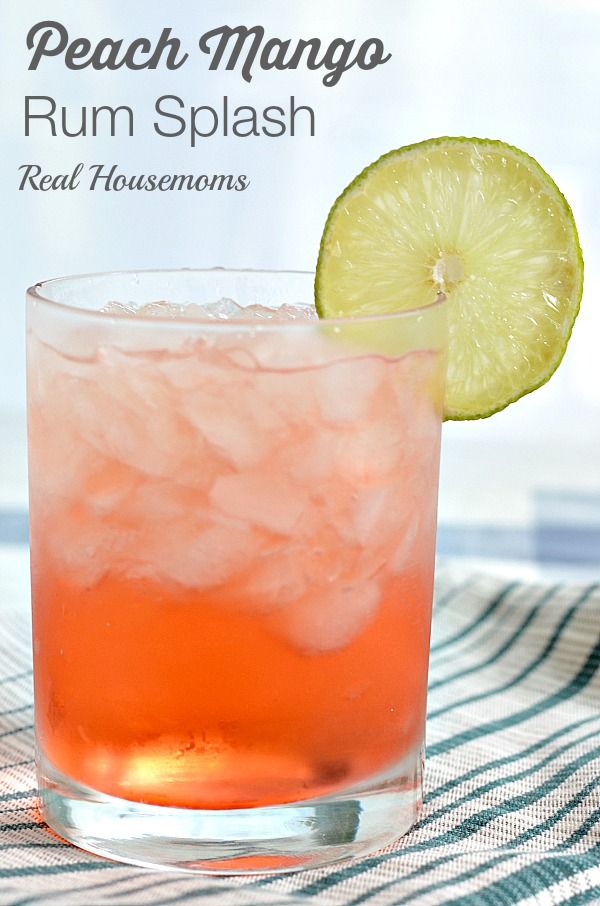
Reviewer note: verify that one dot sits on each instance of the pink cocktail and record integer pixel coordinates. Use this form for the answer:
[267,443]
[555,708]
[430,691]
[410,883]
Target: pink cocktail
[232,527]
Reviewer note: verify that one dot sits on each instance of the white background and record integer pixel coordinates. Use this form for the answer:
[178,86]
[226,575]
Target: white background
[527,71]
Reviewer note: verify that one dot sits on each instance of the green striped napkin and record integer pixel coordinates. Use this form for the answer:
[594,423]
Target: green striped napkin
[512,810]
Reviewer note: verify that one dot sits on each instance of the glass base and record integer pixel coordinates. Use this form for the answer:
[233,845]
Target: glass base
[271,839]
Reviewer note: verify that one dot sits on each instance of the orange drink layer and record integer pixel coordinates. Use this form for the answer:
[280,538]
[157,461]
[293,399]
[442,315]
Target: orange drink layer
[232,545]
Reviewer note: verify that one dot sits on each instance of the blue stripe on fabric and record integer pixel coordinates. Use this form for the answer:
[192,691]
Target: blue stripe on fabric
[497,690]
[16,710]
[560,813]
[475,822]
[15,731]
[583,829]
[204,892]
[529,880]
[527,670]
[579,682]
[21,794]
[74,867]
[451,594]
[14,527]
[544,542]
[442,661]
[136,875]
[33,844]
[441,860]
[15,676]
[478,621]
[485,895]
[492,541]
[466,875]
[574,544]
[508,759]
[16,764]
[509,778]
[591,895]
[503,648]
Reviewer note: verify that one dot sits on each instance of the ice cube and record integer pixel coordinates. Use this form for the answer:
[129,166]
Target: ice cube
[347,388]
[236,438]
[329,620]
[118,308]
[108,486]
[293,395]
[161,309]
[223,309]
[198,363]
[183,372]
[370,508]
[381,511]
[298,312]
[125,408]
[160,503]
[405,546]
[372,451]
[158,309]
[277,579]
[118,424]
[86,546]
[285,312]
[314,458]
[417,538]
[262,499]
[417,386]
[206,559]
[58,460]
[300,350]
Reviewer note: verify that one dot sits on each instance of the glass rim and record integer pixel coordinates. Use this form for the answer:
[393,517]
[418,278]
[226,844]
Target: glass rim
[36,292]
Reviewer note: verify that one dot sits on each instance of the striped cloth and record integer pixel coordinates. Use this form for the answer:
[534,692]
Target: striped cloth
[512,810]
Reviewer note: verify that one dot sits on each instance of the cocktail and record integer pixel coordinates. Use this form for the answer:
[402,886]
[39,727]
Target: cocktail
[233,512]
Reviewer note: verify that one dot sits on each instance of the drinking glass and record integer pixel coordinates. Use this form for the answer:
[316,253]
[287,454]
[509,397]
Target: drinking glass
[233,526]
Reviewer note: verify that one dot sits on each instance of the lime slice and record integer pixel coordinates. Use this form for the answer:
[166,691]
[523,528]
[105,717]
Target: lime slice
[480,221]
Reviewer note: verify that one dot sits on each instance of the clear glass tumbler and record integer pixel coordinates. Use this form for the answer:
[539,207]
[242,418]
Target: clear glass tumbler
[232,544]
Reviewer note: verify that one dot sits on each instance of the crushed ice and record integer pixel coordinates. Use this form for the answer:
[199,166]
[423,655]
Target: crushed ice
[221,310]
